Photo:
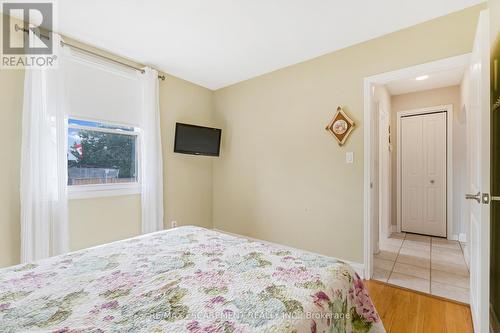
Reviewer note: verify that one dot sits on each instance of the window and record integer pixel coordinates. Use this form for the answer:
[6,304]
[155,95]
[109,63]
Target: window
[101,157]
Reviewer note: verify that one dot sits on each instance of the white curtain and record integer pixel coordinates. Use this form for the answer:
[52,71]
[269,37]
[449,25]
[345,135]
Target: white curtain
[151,175]
[44,217]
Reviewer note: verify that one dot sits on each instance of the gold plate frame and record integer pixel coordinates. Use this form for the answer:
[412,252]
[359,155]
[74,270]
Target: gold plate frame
[341,126]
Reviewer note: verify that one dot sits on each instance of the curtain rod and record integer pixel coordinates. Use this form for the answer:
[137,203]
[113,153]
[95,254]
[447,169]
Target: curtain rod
[161,77]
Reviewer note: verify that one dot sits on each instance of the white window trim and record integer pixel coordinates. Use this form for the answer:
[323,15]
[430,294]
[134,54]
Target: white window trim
[103,190]
[107,190]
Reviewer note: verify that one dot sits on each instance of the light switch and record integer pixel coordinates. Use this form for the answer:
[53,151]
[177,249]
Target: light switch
[349,157]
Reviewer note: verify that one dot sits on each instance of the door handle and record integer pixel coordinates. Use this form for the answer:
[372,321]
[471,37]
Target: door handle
[476,197]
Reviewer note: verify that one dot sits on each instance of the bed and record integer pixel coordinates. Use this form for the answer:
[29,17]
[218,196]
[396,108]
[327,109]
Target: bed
[186,279]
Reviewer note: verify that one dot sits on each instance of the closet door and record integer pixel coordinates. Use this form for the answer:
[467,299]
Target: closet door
[423,174]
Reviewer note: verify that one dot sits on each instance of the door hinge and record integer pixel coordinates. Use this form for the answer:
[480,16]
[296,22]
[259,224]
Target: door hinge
[485,198]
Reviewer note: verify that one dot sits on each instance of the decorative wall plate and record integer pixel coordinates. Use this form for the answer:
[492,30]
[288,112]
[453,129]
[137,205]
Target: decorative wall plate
[340,126]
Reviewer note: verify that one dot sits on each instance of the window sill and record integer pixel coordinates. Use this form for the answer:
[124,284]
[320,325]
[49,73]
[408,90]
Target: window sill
[102,190]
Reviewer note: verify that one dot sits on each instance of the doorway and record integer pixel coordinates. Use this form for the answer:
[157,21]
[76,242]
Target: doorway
[413,131]
[475,212]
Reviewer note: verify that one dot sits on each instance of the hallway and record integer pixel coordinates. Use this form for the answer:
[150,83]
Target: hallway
[428,264]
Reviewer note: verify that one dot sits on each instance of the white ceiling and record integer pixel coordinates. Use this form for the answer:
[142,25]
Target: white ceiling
[215,43]
[446,78]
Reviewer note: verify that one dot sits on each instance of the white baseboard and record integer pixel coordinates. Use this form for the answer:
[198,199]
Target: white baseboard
[358,267]
[467,257]
[462,237]
[466,252]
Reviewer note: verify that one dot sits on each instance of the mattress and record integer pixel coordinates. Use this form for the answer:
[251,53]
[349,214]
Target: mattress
[186,279]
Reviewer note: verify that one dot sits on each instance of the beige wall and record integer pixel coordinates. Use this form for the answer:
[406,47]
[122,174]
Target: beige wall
[419,100]
[281,177]
[11,101]
[11,97]
[187,178]
[187,181]
[102,220]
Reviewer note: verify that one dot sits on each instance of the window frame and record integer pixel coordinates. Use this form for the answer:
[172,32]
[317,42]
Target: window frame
[106,190]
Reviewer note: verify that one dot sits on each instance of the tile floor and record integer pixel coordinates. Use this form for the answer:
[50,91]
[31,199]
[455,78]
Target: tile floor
[428,264]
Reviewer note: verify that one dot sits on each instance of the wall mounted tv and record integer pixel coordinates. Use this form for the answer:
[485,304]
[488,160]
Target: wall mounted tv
[197,140]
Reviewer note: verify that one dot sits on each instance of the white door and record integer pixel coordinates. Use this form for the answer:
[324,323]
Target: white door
[478,175]
[423,174]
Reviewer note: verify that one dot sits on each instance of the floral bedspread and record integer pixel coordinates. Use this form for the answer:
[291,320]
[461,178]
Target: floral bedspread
[187,279]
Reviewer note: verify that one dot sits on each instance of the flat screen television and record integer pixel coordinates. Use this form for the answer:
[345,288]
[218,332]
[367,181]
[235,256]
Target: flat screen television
[197,140]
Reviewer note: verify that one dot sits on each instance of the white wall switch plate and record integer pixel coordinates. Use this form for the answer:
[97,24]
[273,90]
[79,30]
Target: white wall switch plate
[349,157]
[173,224]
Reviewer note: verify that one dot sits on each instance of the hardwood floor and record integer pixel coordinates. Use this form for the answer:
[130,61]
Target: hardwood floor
[403,310]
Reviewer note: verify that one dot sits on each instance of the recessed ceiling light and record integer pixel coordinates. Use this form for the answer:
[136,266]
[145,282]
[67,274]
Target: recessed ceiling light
[423,77]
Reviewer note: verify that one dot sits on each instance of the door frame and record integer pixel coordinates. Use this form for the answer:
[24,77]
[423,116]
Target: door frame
[375,181]
[449,161]
[385,193]
[369,84]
